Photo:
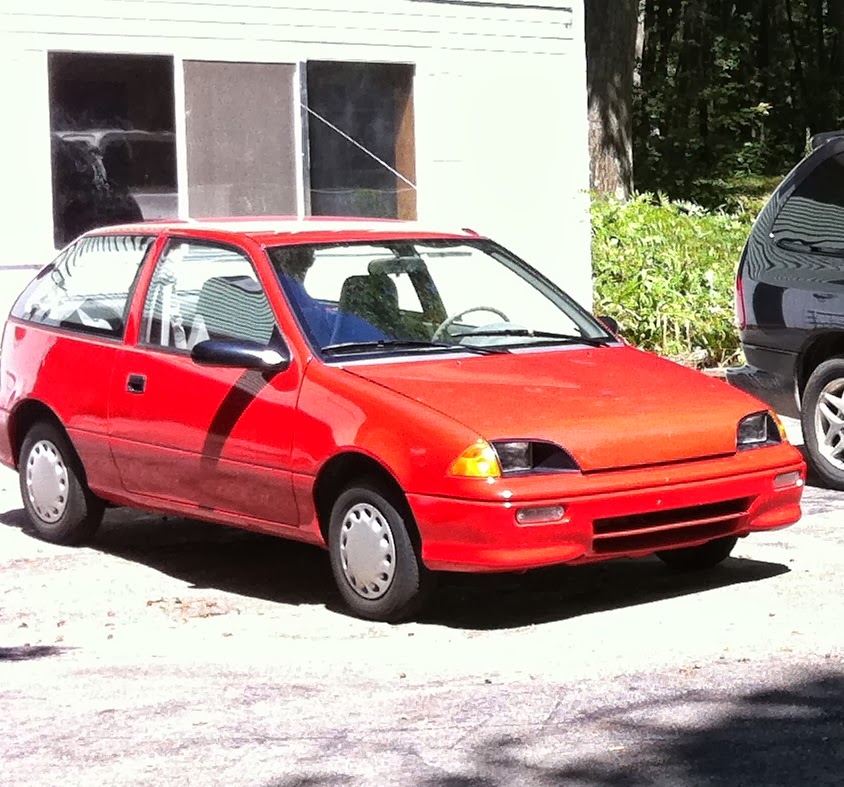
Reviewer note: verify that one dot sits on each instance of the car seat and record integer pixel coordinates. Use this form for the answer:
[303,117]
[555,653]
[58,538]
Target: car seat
[232,307]
[368,309]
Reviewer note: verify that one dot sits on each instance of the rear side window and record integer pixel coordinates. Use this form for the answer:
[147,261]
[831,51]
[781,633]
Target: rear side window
[86,288]
[812,219]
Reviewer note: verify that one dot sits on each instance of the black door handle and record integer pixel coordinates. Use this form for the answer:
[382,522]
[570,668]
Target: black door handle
[136,383]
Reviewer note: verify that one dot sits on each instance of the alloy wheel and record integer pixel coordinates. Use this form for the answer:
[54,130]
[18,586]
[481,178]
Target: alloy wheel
[829,423]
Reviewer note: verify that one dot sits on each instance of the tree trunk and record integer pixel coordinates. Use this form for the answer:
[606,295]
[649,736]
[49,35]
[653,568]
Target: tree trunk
[610,59]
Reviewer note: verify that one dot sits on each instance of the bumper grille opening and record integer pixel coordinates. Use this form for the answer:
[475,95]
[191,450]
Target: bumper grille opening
[658,529]
[655,541]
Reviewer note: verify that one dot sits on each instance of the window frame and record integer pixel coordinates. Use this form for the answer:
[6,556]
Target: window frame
[168,243]
[130,294]
[406,130]
[61,65]
[786,194]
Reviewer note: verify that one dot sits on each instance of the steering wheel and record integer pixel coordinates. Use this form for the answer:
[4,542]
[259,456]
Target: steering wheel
[449,321]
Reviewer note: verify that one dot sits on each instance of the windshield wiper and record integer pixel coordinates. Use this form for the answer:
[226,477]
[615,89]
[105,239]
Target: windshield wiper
[556,337]
[408,344]
[819,247]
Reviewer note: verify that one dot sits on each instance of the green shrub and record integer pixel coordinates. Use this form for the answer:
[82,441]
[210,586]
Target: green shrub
[666,271]
[737,194]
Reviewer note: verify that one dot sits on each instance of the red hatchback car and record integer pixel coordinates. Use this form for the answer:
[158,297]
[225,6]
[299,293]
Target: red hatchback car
[414,401]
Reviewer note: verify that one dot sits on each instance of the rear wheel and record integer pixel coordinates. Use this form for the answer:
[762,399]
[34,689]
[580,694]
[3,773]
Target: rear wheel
[698,558]
[822,418]
[376,567]
[60,506]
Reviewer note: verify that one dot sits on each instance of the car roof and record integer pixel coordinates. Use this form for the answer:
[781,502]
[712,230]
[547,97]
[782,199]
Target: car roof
[283,230]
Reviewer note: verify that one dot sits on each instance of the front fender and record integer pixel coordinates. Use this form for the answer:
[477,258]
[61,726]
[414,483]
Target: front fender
[340,412]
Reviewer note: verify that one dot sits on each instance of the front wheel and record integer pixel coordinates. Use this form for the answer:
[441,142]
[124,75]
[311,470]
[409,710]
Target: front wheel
[822,419]
[698,558]
[377,569]
[55,495]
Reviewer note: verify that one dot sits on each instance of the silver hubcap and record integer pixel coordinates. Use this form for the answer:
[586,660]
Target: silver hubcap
[367,551]
[829,423]
[47,481]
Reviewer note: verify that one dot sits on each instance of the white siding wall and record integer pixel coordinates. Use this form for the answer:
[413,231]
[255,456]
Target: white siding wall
[499,96]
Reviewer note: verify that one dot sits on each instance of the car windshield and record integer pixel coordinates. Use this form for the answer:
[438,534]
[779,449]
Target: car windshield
[426,296]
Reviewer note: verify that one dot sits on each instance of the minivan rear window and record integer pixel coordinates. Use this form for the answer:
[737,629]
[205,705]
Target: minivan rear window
[812,218]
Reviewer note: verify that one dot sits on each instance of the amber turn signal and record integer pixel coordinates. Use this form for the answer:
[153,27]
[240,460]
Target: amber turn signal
[479,460]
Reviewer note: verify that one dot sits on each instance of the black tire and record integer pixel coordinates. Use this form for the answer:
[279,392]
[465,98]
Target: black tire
[389,597]
[699,558]
[828,374]
[78,512]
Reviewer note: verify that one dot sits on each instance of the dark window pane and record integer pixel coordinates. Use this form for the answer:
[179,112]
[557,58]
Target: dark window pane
[113,141]
[372,104]
[812,219]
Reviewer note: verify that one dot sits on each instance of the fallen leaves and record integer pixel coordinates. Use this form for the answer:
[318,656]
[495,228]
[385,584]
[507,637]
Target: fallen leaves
[186,609]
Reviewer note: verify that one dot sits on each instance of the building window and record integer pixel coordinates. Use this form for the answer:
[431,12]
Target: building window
[113,140]
[361,139]
[239,119]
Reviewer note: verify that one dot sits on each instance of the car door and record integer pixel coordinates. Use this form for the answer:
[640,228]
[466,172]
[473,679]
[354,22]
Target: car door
[207,437]
[81,300]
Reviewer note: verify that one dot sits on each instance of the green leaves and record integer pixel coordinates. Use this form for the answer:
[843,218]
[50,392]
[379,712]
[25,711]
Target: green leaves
[666,271]
[727,88]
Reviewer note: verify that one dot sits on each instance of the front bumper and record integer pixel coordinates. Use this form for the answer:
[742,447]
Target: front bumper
[677,508]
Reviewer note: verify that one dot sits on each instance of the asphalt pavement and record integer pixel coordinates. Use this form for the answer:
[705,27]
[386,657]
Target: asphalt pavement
[178,653]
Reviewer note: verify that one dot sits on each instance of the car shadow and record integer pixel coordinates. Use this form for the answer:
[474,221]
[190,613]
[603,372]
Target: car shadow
[210,556]
[500,601]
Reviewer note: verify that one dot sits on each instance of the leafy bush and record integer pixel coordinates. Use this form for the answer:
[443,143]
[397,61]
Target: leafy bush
[737,194]
[666,271]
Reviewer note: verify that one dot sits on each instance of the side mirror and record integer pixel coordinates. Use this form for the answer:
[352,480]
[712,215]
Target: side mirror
[610,323]
[240,354]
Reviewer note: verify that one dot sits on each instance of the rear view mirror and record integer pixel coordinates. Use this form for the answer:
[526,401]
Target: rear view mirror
[240,354]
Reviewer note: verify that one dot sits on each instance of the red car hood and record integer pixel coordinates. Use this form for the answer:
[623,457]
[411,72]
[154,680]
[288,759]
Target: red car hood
[610,407]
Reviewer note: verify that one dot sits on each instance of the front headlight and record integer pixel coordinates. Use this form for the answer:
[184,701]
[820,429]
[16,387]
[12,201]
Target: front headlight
[512,457]
[533,456]
[758,430]
[515,456]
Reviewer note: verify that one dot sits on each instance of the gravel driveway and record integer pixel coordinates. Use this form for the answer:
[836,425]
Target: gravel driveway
[173,652]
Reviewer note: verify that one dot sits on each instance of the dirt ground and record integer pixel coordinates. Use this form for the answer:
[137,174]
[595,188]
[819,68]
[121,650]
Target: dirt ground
[176,652]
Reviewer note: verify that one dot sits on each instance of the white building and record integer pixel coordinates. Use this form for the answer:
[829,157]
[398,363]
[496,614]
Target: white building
[474,109]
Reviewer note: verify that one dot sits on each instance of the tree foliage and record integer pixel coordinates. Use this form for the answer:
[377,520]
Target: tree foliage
[733,87]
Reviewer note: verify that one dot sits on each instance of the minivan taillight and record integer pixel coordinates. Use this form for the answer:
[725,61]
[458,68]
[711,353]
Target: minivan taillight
[741,315]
